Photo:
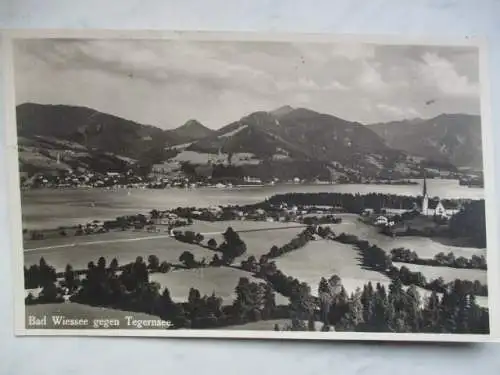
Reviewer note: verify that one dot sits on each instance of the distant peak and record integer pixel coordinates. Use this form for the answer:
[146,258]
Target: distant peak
[281,111]
[192,123]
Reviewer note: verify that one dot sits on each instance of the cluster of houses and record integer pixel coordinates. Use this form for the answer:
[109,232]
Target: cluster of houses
[92,227]
[82,179]
[279,213]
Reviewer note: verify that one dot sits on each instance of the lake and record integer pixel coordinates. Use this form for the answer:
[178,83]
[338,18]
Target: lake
[50,208]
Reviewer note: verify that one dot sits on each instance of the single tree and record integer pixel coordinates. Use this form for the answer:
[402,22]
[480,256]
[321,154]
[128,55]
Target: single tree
[187,258]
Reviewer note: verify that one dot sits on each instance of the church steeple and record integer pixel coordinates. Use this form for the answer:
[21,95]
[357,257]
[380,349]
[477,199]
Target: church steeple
[424,191]
[425,197]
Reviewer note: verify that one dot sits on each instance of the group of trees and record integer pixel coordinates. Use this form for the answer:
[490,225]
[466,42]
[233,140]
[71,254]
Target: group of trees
[370,309]
[401,310]
[131,290]
[326,219]
[442,260]
[296,243]
[39,275]
[373,257]
[355,203]
[189,237]
[470,222]
[232,247]
[188,261]
[438,285]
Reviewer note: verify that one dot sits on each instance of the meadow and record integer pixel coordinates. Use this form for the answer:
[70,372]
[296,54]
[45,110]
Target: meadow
[325,258]
[259,242]
[423,246]
[82,240]
[238,225]
[219,280]
[448,274]
[126,251]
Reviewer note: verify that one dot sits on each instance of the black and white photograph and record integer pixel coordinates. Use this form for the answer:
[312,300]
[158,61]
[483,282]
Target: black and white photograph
[250,187]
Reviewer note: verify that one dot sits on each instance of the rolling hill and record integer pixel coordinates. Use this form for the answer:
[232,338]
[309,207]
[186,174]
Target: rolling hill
[453,138]
[312,143]
[93,129]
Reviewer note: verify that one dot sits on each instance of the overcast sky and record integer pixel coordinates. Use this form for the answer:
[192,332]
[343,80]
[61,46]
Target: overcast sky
[166,83]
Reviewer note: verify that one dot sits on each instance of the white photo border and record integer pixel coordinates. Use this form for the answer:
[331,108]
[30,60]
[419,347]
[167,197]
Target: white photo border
[8,37]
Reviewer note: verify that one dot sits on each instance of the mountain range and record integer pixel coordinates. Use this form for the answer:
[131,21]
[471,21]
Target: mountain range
[454,138]
[283,142]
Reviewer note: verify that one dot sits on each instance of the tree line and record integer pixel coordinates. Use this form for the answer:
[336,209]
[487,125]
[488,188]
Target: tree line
[357,203]
[399,310]
[373,257]
[317,220]
[369,310]
[441,259]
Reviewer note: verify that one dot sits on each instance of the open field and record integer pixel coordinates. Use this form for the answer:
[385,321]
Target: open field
[260,242]
[166,248]
[219,280]
[447,273]
[323,258]
[72,310]
[237,225]
[423,246]
[77,240]
[266,325]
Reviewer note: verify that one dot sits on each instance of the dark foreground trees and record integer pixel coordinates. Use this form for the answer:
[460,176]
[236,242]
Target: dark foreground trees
[398,308]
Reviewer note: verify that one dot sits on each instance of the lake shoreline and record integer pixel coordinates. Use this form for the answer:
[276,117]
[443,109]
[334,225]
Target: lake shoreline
[54,208]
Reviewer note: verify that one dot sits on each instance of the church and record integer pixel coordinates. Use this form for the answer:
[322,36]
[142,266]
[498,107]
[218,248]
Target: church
[424,209]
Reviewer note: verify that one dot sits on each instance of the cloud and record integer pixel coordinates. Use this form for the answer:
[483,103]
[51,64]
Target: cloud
[370,78]
[354,52]
[336,85]
[441,73]
[165,83]
[398,112]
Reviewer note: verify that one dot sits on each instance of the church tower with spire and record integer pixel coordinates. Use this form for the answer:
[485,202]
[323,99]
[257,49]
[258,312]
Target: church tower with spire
[425,197]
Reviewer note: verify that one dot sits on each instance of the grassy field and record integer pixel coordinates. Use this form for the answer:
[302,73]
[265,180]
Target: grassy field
[237,225]
[266,325]
[72,310]
[424,247]
[323,258]
[219,280]
[110,236]
[259,243]
[447,273]
[167,249]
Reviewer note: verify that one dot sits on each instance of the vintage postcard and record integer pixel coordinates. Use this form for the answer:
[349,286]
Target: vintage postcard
[250,185]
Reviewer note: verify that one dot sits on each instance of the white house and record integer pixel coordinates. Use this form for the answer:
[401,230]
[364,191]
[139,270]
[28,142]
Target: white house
[440,210]
[381,220]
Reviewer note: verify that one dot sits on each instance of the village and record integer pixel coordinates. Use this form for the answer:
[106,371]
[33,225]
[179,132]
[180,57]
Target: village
[420,220]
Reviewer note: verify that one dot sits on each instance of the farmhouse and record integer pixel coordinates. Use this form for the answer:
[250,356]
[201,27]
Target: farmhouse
[381,220]
[440,210]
